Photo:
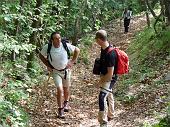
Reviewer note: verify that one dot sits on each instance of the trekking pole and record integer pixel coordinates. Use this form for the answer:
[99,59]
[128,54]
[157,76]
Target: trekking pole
[46,83]
[49,76]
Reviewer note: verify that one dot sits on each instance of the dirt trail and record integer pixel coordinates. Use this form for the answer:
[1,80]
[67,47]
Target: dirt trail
[84,95]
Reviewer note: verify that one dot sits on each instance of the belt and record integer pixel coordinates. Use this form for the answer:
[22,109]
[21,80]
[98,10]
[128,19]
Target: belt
[65,72]
[106,89]
[61,69]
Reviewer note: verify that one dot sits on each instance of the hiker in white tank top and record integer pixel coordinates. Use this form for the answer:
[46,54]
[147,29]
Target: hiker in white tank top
[60,66]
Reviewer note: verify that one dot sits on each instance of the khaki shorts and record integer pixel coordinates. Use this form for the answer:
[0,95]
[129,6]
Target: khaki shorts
[62,78]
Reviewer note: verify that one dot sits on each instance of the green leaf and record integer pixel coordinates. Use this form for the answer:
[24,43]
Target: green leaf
[7,18]
[84,17]
[16,50]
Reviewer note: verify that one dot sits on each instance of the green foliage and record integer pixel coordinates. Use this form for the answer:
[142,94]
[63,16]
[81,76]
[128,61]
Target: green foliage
[163,123]
[86,43]
[70,19]
[142,39]
[147,125]
[14,94]
[122,94]
[15,69]
[10,111]
[84,56]
[36,70]
[136,5]
[149,54]
[146,40]
[12,115]
[9,44]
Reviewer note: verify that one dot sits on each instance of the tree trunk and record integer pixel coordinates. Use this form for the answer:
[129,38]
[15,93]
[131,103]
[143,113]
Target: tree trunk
[150,8]
[77,24]
[159,16]
[147,15]
[16,22]
[156,21]
[67,23]
[75,35]
[148,20]
[153,3]
[167,10]
[32,38]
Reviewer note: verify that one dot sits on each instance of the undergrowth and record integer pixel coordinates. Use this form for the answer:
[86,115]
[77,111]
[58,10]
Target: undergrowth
[15,92]
[86,44]
[148,54]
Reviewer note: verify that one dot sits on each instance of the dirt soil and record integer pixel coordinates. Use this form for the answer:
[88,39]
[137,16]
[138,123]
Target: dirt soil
[84,95]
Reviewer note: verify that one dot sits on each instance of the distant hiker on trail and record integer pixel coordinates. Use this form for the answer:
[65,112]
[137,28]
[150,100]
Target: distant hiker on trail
[107,79]
[127,15]
[55,56]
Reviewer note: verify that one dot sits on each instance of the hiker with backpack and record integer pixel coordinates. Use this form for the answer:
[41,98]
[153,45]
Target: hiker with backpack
[56,56]
[107,79]
[126,16]
[112,62]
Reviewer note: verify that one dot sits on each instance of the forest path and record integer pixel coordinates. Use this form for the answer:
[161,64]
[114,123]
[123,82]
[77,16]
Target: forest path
[84,95]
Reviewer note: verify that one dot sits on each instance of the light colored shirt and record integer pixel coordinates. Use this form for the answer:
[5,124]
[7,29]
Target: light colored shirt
[59,55]
[127,15]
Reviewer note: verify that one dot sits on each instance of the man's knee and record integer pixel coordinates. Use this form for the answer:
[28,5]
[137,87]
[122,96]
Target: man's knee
[59,90]
[66,89]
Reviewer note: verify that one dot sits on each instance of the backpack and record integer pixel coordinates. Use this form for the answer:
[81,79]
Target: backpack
[122,61]
[63,41]
[96,66]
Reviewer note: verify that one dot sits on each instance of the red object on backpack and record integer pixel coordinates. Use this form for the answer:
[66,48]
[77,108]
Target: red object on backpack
[122,61]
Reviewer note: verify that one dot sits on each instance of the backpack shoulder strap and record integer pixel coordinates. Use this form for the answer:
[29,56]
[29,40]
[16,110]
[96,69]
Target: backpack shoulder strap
[110,49]
[114,49]
[48,50]
[64,42]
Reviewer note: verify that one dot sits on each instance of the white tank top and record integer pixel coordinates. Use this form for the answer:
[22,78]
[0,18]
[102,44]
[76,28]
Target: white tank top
[59,55]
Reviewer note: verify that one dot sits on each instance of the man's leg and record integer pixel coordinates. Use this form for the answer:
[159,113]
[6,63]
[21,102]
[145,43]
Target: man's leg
[111,99]
[59,102]
[126,25]
[126,28]
[128,22]
[110,106]
[59,97]
[66,93]
[66,88]
[66,99]
[58,83]
[103,108]
[102,115]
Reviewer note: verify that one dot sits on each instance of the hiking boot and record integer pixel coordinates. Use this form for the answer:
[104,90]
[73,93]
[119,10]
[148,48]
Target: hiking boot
[66,106]
[60,113]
